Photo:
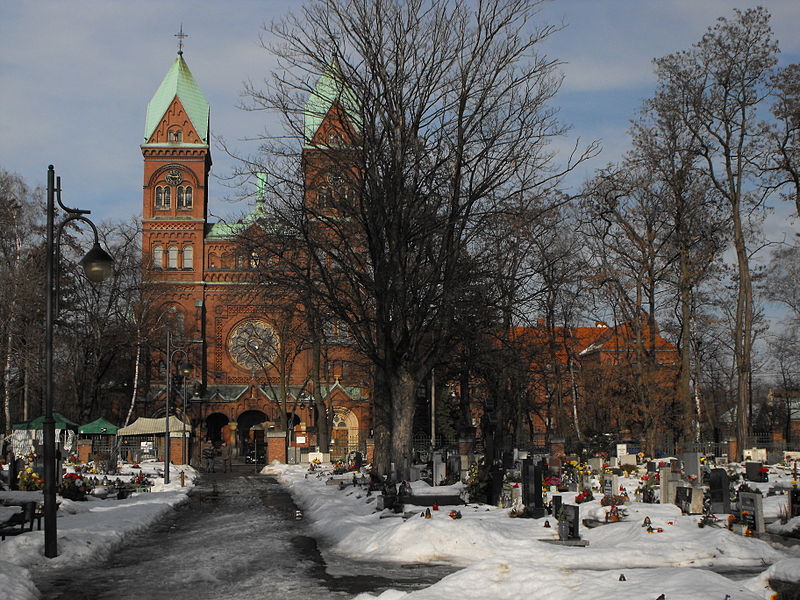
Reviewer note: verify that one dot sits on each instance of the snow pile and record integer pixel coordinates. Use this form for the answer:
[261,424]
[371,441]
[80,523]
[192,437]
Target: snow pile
[85,529]
[513,559]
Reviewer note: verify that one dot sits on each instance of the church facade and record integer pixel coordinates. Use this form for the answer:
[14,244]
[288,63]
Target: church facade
[202,286]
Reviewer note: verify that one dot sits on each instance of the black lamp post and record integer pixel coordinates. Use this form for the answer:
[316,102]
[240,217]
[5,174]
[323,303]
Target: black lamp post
[97,265]
[185,369]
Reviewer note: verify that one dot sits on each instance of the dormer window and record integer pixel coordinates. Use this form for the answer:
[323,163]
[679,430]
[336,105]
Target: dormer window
[335,139]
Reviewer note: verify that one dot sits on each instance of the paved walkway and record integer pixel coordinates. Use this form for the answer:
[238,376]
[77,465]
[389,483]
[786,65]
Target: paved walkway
[236,539]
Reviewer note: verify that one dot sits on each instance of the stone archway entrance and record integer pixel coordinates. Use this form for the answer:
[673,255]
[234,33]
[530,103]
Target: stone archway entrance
[250,438]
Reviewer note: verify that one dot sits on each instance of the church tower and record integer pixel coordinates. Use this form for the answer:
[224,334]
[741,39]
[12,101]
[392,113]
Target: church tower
[177,161]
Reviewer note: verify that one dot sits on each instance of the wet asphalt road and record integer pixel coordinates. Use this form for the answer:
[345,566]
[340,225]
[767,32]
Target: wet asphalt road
[236,538]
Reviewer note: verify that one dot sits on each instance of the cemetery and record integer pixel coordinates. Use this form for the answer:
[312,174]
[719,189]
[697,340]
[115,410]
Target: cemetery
[617,522]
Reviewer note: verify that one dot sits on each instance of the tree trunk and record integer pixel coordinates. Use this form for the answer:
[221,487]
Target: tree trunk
[744,325]
[135,391]
[402,387]
[7,375]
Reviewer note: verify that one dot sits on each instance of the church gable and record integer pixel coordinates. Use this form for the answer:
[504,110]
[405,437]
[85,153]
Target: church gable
[175,127]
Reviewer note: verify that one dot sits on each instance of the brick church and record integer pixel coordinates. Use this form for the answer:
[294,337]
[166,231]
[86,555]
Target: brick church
[203,285]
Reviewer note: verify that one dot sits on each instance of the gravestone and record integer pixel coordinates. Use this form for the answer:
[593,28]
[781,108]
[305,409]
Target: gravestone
[415,472]
[752,511]
[508,460]
[611,485]
[794,502]
[569,523]
[652,466]
[536,507]
[596,464]
[689,500]
[752,472]
[438,468]
[453,467]
[556,506]
[756,454]
[669,483]
[691,465]
[627,459]
[622,450]
[675,465]
[719,491]
[495,488]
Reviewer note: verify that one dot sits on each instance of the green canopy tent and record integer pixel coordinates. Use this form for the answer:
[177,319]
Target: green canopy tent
[97,440]
[26,436]
[62,422]
[98,427]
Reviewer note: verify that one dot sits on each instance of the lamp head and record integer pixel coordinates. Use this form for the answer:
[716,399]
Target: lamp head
[186,369]
[97,264]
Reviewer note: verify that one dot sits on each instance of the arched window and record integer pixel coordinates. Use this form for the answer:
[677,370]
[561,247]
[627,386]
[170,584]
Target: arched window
[158,257]
[212,261]
[325,198]
[188,255]
[175,136]
[162,197]
[241,262]
[172,258]
[184,197]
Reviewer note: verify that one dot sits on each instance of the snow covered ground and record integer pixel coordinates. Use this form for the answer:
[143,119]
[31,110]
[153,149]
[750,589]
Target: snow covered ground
[86,529]
[504,557]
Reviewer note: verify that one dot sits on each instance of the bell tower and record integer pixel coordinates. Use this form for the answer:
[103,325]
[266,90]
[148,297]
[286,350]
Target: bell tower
[177,161]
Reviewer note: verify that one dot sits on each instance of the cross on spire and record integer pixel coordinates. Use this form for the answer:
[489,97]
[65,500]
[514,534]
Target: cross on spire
[180,35]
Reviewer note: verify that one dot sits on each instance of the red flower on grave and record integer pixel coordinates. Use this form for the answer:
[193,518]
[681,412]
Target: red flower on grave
[764,470]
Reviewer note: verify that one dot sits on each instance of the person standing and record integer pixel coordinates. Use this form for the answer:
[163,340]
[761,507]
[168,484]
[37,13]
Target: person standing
[208,456]
[227,456]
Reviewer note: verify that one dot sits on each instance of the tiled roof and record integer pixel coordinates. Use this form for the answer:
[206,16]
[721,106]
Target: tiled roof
[178,82]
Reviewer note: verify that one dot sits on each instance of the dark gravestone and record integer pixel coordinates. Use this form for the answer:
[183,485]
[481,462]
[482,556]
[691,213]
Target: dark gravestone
[719,491]
[649,495]
[569,523]
[794,503]
[495,487]
[453,467]
[536,509]
[753,472]
[683,499]
[556,506]
[652,466]
[508,460]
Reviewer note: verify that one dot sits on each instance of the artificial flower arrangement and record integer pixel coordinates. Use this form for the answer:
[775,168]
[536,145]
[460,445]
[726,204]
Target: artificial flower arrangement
[585,496]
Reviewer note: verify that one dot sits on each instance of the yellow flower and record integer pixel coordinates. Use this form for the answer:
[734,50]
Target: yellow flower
[28,470]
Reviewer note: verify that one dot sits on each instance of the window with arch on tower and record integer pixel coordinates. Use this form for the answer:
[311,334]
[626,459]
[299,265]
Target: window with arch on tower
[184,197]
[175,136]
[172,258]
[188,258]
[163,194]
[158,257]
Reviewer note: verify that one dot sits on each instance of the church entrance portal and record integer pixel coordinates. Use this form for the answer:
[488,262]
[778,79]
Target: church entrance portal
[251,438]
[214,426]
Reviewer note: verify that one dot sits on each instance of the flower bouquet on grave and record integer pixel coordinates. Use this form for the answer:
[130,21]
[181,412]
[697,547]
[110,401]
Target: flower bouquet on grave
[74,487]
[29,481]
[584,496]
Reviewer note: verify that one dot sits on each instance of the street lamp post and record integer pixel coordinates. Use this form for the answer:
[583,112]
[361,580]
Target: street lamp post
[185,370]
[97,265]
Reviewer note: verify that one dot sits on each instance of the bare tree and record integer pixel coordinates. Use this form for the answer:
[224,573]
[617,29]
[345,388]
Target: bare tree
[443,115]
[722,80]
[21,282]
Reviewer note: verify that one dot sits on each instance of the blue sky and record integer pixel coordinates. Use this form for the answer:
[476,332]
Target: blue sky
[75,78]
